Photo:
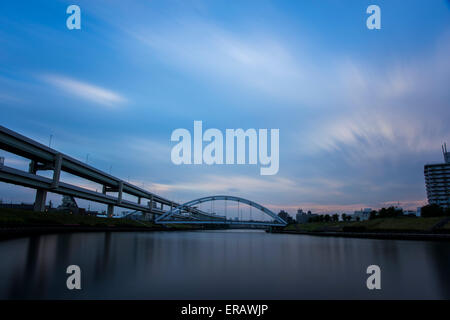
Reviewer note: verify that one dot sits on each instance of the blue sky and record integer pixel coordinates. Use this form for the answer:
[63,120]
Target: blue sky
[359,111]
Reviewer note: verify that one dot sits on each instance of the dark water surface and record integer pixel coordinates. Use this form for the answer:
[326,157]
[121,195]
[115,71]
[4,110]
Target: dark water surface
[221,265]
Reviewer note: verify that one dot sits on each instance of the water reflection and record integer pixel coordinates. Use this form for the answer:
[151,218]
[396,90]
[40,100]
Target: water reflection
[440,258]
[221,265]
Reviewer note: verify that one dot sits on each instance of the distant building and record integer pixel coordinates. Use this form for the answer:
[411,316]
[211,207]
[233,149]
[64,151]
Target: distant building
[303,217]
[409,213]
[419,211]
[363,214]
[68,204]
[298,216]
[437,181]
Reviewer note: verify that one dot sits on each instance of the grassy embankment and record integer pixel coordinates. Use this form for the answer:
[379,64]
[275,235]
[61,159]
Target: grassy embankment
[11,218]
[398,224]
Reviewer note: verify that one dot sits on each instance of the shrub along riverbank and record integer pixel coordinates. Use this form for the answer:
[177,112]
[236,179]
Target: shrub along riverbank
[15,223]
[417,228]
[400,224]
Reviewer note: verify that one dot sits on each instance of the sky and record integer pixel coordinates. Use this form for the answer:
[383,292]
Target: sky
[359,111]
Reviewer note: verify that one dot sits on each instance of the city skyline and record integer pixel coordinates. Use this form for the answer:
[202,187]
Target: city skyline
[353,105]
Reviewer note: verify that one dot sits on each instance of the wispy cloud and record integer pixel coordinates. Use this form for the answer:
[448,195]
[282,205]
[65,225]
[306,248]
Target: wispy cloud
[259,62]
[376,135]
[85,90]
[384,112]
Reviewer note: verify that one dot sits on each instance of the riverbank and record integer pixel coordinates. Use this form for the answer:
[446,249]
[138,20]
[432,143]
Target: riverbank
[398,228]
[20,223]
[375,235]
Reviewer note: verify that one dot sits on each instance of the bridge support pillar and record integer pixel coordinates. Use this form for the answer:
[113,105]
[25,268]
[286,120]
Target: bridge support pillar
[57,170]
[150,203]
[32,167]
[39,202]
[119,198]
[110,211]
[149,216]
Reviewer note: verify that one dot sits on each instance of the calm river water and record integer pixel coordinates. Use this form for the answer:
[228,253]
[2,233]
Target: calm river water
[232,264]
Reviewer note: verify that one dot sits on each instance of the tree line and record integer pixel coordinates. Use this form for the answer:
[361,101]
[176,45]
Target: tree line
[429,210]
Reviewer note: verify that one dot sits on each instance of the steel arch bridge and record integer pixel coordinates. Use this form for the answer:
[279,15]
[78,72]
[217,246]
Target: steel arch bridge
[177,215]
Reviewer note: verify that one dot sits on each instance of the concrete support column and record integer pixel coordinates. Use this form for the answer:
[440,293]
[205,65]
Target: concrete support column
[39,202]
[57,171]
[32,167]
[150,204]
[110,211]
[119,199]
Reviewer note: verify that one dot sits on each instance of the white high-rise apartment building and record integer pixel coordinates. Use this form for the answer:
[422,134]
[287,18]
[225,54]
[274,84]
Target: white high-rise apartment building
[437,181]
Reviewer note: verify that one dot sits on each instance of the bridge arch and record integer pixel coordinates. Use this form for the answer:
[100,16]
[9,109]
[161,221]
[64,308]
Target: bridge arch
[188,205]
